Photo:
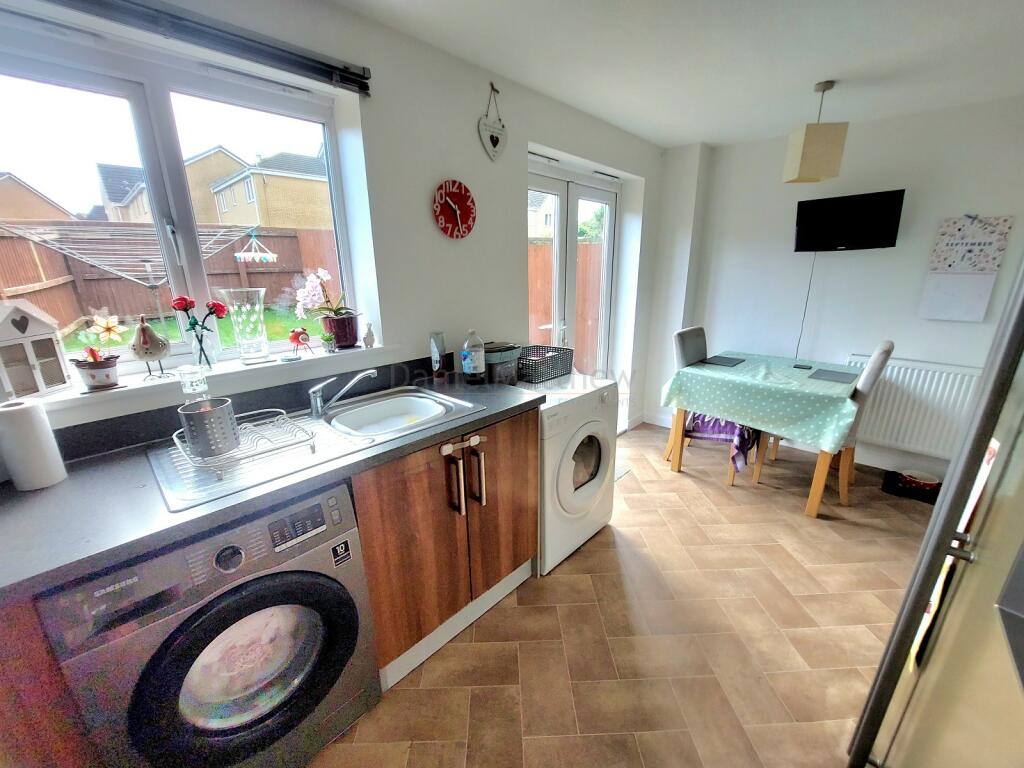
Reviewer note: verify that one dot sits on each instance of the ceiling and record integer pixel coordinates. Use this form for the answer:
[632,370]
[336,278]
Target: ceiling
[724,71]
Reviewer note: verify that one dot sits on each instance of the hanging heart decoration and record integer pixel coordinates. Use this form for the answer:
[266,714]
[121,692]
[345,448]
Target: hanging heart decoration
[20,323]
[492,129]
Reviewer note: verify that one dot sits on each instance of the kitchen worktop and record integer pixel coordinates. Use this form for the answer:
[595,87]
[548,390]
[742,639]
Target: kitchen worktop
[110,509]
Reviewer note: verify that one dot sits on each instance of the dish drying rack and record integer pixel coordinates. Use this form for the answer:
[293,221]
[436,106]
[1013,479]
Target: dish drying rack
[260,433]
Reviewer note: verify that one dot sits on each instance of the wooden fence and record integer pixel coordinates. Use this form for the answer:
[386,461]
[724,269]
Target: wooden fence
[70,290]
[589,273]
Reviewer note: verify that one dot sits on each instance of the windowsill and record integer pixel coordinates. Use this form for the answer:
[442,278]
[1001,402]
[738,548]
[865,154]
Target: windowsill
[70,406]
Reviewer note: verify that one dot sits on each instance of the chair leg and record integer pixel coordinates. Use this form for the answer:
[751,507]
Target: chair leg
[845,471]
[678,440]
[774,451]
[853,464]
[818,483]
[762,450]
[730,471]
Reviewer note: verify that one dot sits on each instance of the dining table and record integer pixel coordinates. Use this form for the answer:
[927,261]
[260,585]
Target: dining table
[778,396]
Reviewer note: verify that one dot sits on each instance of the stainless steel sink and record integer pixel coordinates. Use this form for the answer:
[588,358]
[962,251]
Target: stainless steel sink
[395,412]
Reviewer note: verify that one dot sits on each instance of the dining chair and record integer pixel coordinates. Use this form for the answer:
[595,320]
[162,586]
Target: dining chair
[691,347]
[861,395]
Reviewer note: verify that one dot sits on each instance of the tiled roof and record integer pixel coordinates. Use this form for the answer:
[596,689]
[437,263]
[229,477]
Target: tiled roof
[119,180]
[289,162]
[96,213]
[535,199]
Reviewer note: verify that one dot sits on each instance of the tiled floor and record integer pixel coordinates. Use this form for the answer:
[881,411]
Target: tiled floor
[706,626]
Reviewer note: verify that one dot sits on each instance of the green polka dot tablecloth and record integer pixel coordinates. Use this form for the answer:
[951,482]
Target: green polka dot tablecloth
[769,394]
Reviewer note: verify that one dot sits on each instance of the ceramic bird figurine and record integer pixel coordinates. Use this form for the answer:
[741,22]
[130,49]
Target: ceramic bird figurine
[299,337]
[149,346]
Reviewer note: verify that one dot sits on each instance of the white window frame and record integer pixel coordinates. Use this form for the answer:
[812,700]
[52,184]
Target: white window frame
[222,201]
[250,189]
[150,74]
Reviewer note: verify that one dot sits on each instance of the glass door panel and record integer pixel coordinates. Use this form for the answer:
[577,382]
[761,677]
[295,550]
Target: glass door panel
[570,250]
[545,213]
[592,267]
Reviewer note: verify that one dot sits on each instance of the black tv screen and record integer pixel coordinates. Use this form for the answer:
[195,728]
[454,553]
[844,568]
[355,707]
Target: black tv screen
[850,223]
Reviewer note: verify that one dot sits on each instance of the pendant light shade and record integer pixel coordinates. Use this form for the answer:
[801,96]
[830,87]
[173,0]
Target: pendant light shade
[815,150]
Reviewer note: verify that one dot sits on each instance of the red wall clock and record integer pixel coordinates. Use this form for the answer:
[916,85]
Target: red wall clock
[454,209]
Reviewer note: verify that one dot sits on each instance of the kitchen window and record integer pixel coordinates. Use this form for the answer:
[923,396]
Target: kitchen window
[125,163]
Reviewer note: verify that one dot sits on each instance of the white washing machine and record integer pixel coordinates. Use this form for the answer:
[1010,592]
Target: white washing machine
[577,455]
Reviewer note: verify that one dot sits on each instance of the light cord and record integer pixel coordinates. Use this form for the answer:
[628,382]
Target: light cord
[807,298]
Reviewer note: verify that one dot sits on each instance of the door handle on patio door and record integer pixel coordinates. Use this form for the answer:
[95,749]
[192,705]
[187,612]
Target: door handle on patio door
[481,476]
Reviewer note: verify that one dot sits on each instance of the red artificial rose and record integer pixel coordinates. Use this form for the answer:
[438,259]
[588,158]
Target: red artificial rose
[182,303]
[218,308]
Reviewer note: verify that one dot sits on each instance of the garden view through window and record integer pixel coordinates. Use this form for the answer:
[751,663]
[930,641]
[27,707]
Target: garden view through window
[76,236]
[77,230]
[268,172]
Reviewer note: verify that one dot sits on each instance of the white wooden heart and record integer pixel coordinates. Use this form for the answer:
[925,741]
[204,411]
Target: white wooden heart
[492,136]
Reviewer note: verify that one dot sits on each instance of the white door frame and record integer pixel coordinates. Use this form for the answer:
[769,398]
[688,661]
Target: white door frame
[563,283]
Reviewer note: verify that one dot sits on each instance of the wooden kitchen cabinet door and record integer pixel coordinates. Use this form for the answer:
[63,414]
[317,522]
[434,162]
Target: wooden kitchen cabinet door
[502,481]
[415,547]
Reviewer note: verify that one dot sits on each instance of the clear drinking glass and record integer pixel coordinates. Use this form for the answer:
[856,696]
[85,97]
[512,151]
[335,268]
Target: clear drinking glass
[193,382]
[245,306]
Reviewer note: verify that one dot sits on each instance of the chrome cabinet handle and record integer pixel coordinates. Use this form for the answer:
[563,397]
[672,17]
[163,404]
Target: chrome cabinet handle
[460,483]
[481,476]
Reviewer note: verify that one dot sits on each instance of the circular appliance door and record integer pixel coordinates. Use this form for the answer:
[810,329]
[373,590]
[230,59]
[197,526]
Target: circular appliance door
[583,469]
[243,670]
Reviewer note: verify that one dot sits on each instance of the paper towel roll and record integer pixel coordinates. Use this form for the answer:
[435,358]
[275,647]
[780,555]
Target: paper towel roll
[28,446]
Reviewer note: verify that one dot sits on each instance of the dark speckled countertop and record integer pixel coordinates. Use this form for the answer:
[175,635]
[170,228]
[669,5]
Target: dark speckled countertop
[110,508]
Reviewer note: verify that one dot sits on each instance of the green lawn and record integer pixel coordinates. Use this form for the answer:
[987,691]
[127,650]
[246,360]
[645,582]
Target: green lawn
[279,325]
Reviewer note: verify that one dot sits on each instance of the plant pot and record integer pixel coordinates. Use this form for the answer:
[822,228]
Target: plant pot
[96,375]
[344,329]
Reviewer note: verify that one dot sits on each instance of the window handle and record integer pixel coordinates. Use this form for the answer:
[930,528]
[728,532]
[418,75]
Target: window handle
[172,234]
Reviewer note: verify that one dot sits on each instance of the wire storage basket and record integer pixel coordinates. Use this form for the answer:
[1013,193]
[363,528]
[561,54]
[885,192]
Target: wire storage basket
[539,363]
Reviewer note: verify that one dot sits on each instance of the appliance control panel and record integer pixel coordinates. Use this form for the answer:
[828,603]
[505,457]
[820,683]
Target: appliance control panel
[84,614]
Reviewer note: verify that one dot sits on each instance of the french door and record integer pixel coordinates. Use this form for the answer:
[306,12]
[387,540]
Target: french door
[570,252]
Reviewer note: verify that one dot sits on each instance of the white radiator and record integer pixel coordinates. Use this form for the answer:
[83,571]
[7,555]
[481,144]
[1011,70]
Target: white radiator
[918,407]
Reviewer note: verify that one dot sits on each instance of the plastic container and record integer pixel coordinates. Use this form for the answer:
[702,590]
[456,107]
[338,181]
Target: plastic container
[474,369]
[502,361]
[540,363]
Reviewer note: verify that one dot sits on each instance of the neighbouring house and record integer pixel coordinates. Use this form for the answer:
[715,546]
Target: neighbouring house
[19,200]
[123,186]
[283,190]
[540,214]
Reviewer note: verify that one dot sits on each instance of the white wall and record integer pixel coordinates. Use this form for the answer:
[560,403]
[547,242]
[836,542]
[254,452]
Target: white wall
[673,278]
[752,285]
[419,127]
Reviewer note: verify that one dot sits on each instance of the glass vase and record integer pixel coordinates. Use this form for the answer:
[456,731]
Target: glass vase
[205,355]
[245,308]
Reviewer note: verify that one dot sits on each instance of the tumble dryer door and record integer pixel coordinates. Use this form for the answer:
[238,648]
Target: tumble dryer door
[585,468]
[243,670]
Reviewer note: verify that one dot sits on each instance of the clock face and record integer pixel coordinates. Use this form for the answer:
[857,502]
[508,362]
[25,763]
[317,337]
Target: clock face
[454,209]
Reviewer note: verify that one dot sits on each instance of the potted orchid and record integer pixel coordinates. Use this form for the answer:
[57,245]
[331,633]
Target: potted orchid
[198,328]
[314,299]
[99,370]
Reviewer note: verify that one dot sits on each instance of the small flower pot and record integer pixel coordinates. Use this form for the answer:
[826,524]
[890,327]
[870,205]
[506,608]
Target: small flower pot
[96,375]
[344,329]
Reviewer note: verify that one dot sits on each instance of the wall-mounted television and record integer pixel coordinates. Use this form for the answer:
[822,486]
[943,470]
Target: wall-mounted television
[849,223]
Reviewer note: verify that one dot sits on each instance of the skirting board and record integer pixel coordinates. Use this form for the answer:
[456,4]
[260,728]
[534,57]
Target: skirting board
[432,643]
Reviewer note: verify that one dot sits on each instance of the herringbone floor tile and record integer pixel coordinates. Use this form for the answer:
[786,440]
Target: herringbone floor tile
[706,626]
